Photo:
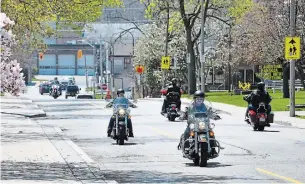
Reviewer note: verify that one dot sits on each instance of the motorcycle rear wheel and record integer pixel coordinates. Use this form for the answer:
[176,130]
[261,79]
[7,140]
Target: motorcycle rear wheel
[261,128]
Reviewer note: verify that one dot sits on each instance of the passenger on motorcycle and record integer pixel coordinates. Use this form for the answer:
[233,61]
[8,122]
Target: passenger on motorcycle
[260,95]
[173,88]
[120,98]
[197,106]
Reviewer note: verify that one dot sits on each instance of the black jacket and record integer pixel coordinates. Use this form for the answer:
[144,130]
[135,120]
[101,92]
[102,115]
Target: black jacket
[173,89]
[257,96]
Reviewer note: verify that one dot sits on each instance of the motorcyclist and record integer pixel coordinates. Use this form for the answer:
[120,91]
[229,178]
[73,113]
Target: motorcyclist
[197,106]
[120,97]
[260,95]
[173,88]
[55,82]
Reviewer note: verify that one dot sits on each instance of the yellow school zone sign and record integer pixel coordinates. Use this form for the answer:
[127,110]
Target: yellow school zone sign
[165,62]
[292,48]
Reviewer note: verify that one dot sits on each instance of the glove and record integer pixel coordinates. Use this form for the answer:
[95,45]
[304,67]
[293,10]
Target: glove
[217,117]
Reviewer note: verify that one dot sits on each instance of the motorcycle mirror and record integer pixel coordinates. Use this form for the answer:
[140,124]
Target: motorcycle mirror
[80,88]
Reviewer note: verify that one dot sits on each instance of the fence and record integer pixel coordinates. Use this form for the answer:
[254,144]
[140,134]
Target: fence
[278,84]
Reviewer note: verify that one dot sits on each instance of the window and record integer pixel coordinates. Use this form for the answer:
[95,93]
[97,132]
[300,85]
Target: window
[127,61]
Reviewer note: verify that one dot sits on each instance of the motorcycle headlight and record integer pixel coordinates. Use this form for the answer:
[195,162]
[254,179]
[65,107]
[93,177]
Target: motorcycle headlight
[122,112]
[201,125]
[192,126]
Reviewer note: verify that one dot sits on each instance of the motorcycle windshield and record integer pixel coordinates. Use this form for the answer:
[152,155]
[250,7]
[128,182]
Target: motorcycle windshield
[120,103]
[200,111]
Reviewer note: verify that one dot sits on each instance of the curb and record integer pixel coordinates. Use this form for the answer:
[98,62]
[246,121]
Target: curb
[89,161]
[27,116]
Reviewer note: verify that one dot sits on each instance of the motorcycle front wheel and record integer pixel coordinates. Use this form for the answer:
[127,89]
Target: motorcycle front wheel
[121,137]
[203,155]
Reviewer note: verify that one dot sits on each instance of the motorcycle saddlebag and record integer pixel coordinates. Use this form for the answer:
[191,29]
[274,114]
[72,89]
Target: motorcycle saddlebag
[271,117]
[253,118]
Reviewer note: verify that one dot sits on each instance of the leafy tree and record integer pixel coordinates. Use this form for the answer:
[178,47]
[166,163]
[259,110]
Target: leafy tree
[261,35]
[32,17]
[185,15]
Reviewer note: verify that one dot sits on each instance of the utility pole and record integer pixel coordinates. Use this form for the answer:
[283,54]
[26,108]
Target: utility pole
[166,41]
[292,62]
[101,64]
[86,72]
[202,48]
[229,63]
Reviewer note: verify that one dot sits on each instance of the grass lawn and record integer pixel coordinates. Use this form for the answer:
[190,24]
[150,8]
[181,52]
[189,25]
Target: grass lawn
[91,89]
[302,117]
[1,94]
[34,79]
[278,103]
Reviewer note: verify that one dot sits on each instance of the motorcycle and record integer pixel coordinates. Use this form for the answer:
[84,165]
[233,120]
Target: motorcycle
[120,131]
[259,119]
[55,92]
[171,110]
[202,143]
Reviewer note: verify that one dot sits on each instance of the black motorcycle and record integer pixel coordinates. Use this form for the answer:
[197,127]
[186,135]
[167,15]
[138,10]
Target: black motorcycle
[171,109]
[202,143]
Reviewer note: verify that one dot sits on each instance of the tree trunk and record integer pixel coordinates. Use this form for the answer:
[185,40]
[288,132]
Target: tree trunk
[286,73]
[191,66]
[301,73]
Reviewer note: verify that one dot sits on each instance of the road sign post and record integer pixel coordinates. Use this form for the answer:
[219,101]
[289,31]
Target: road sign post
[293,53]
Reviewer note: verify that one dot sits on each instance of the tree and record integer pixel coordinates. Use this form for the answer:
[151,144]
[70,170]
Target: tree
[261,35]
[185,15]
[12,80]
[148,52]
[32,18]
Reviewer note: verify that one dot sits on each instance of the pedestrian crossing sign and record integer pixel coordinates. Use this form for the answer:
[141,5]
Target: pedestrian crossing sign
[292,48]
[165,62]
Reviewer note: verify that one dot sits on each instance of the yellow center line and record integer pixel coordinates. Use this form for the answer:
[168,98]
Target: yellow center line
[163,133]
[278,176]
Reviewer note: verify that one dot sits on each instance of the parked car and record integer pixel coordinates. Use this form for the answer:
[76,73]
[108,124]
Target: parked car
[64,84]
[84,96]
[72,90]
[44,88]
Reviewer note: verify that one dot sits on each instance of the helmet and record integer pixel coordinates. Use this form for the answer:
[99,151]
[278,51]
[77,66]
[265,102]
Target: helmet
[174,81]
[120,91]
[199,94]
[261,86]
[55,78]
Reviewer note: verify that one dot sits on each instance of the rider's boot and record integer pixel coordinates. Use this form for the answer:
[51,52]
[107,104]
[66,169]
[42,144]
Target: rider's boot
[109,132]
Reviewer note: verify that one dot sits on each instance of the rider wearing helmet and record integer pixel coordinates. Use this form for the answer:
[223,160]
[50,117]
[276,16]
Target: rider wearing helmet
[260,95]
[197,106]
[173,88]
[120,97]
[56,81]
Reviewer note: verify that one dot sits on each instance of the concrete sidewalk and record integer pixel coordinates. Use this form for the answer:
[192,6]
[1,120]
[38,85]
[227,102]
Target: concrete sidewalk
[20,106]
[32,153]
[280,117]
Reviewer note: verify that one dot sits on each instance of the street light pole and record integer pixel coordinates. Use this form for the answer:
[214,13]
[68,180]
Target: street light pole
[166,44]
[202,58]
[292,62]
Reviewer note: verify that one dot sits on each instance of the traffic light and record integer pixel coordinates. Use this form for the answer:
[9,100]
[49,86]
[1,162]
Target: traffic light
[79,54]
[40,56]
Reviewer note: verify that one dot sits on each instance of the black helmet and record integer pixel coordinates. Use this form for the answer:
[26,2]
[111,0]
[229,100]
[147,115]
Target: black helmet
[55,78]
[261,86]
[199,94]
[174,81]
[120,91]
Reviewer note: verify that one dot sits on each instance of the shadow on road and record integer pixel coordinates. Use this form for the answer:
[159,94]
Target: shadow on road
[128,144]
[47,171]
[210,165]
[271,131]
[128,176]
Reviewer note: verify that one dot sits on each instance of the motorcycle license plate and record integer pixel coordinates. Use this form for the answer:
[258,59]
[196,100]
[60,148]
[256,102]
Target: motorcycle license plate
[262,119]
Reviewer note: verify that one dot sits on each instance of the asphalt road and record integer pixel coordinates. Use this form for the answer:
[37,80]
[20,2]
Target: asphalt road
[276,155]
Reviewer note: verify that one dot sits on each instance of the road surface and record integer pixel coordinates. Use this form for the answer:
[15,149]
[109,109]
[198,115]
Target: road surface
[276,155]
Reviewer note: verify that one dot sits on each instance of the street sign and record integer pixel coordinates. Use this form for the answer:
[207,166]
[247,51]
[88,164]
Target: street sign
[139,69]
[292,48]
[165,62]
[104,86]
